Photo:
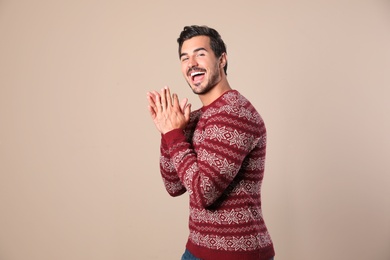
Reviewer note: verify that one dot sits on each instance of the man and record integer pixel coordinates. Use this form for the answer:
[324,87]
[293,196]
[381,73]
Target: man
[215,153]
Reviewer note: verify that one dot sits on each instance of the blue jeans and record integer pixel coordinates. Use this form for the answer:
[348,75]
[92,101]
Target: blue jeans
[188,256]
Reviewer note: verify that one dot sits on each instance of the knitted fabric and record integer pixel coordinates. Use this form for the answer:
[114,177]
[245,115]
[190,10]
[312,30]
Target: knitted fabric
[219,160]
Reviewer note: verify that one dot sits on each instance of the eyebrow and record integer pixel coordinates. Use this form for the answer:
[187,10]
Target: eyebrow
[196,50]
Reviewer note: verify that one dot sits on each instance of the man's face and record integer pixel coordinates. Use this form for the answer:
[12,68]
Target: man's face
[199,65]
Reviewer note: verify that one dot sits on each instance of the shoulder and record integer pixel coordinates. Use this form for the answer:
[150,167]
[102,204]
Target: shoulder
[234,105]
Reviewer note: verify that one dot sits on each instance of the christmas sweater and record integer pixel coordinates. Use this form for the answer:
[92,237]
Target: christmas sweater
[219,160]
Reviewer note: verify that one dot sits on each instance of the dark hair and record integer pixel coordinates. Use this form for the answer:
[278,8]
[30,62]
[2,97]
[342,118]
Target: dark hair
[216,42]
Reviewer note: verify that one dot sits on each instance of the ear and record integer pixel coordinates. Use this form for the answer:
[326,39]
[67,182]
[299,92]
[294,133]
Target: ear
[223,60]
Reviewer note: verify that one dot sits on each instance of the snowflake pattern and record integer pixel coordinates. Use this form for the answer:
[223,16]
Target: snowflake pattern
[231,243]
[172,187]
[247,187]
[216,132]
[228,169]
[225,168]
[236,216]
[241,140]
[238,139]
[210,158]
[256,164]
[166,164]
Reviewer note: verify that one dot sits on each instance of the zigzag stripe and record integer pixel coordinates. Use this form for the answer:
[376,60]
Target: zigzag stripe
[231,126]
[171,178]
[237,201]
[233,216]
[233,138]
[177,146]
[248,126]
[239,111]
[226,229]
[225,152]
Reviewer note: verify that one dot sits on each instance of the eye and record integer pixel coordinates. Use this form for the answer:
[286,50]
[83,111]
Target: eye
[184,59]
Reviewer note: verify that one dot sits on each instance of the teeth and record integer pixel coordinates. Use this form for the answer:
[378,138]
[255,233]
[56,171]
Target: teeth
[196,73]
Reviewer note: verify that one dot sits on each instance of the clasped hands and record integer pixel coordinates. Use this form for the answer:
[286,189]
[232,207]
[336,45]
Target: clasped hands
[166,111]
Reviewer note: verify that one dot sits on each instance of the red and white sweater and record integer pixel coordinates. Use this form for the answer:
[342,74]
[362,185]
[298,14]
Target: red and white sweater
[219,160]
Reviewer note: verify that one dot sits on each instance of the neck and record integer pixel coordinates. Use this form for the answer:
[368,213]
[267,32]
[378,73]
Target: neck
[215,92]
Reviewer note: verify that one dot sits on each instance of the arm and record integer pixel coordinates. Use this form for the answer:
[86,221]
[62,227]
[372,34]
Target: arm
[171,180]
[168,115]
[221,147]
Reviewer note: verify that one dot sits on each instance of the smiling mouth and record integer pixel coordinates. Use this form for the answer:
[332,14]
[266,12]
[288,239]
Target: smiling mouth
[197,76]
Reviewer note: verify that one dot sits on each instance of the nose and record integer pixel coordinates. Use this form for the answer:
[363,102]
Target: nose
[192,62]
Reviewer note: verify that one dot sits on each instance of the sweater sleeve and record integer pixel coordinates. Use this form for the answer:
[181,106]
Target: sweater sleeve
[221,147]
[171,180]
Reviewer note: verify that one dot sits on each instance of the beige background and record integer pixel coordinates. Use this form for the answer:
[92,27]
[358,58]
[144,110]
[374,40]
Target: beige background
[79,176]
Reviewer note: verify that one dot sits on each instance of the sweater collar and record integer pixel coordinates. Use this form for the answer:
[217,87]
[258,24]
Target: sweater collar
[204,108]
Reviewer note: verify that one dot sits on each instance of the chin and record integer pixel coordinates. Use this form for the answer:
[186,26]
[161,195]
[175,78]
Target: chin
[196,91]
[201,91]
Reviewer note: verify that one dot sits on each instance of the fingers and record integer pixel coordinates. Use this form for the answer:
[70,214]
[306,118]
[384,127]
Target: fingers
[164,101]
[152,111]
[164,98]
[183,104]
[187,112]
[175,101]
[151,99]
[154,101]
[168,97]
[172,101]
[184,107]
[158,101]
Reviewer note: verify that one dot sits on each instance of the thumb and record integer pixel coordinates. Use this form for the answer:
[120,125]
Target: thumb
[183,104]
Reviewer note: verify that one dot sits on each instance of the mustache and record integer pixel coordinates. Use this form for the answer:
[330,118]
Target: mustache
[195,69]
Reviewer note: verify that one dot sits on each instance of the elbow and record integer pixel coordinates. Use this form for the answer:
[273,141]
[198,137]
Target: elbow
[177,193]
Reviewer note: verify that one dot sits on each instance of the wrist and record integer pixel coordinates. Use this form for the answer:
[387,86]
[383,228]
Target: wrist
[174,136]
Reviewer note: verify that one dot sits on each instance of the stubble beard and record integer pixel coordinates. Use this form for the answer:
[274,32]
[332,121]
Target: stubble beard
[214,79]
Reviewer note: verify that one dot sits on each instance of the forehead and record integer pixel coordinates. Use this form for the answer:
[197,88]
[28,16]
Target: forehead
[195,43]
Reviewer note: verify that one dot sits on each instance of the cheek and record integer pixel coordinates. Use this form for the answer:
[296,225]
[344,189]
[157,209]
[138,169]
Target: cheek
[184,70]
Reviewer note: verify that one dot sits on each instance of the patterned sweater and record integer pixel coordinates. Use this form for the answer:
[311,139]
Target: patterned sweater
[219,160]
